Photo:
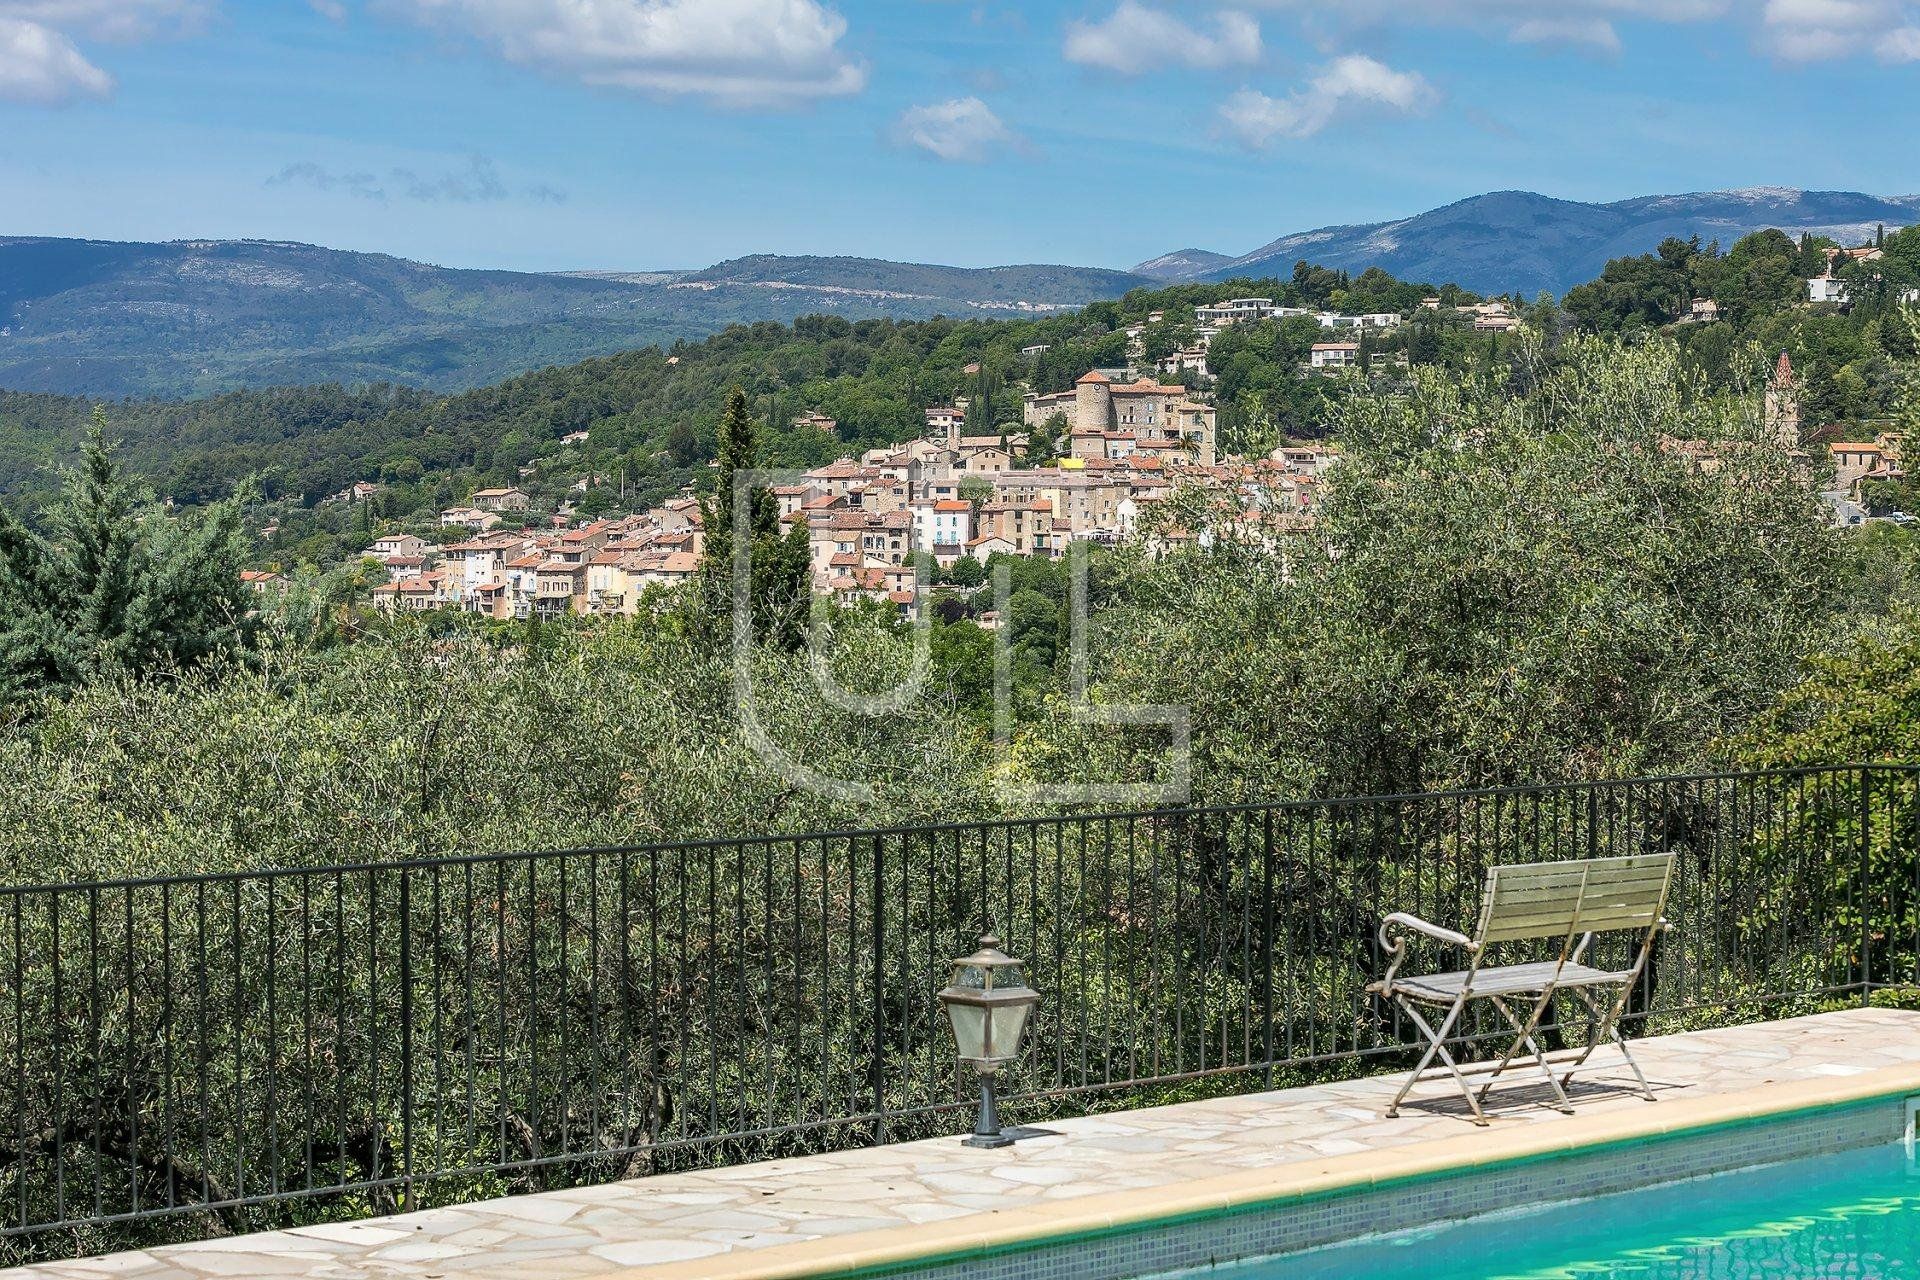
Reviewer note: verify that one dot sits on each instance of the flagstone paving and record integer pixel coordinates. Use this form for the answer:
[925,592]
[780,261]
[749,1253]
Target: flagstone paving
[684,1217]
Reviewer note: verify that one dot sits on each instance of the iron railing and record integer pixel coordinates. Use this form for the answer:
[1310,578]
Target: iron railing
[190,1055]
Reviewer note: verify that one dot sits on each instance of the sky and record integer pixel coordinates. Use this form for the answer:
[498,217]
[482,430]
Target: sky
[642,134]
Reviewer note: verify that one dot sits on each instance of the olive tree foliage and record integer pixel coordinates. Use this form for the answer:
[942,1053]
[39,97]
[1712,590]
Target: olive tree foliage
[1513,577]
[404,744]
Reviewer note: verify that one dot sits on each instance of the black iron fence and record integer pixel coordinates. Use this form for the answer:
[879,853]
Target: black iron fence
[194,1055]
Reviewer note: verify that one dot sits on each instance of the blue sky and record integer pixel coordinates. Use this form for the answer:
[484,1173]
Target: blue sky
[628,134]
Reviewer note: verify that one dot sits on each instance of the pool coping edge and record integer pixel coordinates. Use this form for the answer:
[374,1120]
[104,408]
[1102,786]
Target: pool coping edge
[996,1231]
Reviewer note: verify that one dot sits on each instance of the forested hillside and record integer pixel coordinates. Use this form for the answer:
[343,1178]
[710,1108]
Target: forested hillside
[194,317]
[651,412]
[1843,358]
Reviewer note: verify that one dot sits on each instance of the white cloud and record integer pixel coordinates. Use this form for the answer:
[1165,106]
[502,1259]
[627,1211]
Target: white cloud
[1818,30]
[119,20]
[40,63]
[41,67]
[1902,45]
[1349,84]
[1790,30]
[734,52]
[1585,23]
[961,129]
[1594,33]
[1134,38]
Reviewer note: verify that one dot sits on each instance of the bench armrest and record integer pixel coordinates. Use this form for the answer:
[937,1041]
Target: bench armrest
[1402,920]
[1395,943]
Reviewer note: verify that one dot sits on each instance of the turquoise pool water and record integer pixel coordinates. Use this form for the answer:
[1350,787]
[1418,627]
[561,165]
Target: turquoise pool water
[1851,1215]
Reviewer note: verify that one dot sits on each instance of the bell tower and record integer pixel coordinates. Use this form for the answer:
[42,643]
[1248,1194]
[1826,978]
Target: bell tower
[1781,414]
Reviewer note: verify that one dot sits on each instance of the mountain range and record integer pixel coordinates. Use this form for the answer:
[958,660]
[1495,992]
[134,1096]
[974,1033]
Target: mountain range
[1523,242]
[191,317]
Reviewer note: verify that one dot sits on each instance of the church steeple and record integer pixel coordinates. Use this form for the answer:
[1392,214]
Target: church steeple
[1782,405]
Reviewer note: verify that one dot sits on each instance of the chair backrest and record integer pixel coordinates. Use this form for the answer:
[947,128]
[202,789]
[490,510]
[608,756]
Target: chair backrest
[1560,899]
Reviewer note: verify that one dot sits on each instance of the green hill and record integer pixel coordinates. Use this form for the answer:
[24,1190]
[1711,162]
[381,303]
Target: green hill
[194,317]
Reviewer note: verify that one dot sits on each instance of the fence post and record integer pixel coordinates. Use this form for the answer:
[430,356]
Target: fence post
[406,1034]
[1266,944]
[1866,863]
[877,1068]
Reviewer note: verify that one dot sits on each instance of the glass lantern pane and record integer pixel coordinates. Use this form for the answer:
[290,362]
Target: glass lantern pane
[969,1029]
[1008,976]
[971,976]
[1008,1022]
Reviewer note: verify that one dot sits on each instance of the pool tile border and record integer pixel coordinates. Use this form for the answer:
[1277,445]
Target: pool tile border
[1169,1228]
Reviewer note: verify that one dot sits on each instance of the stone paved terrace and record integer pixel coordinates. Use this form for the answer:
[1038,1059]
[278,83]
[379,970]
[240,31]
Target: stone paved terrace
[819,1209]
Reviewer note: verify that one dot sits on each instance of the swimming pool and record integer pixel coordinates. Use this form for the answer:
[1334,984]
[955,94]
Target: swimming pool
[1849,1214]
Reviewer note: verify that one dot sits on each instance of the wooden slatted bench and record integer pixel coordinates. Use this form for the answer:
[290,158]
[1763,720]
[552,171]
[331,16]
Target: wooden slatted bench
[1539,901]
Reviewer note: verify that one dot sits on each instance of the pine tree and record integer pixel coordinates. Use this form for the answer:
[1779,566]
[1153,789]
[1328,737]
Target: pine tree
[115,587]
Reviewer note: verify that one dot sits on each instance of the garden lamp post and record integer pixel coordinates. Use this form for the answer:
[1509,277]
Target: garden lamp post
[988,1003]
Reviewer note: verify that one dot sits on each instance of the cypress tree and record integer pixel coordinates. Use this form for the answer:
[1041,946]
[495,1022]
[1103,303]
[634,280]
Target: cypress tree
[779,568]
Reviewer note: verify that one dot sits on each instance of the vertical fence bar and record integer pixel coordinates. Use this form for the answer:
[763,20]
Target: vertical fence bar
[406,1033]
[1864,897]
[1266,948]
[877,1067]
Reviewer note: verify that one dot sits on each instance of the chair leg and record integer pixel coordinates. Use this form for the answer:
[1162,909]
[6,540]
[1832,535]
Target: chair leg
[1609,1030]
[1436,1046]
[1525,1036]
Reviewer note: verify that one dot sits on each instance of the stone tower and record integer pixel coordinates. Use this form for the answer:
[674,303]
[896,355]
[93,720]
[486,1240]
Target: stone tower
[1092,402]
[1782,405]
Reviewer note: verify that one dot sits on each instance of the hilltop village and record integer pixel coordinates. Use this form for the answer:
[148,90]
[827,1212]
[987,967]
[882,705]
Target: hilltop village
[1124,441]
[1095,462]
[948,497]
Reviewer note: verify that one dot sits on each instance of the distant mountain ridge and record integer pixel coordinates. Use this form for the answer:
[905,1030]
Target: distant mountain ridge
[195,316]
[1027,287]
[1524,242]
[191,317]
